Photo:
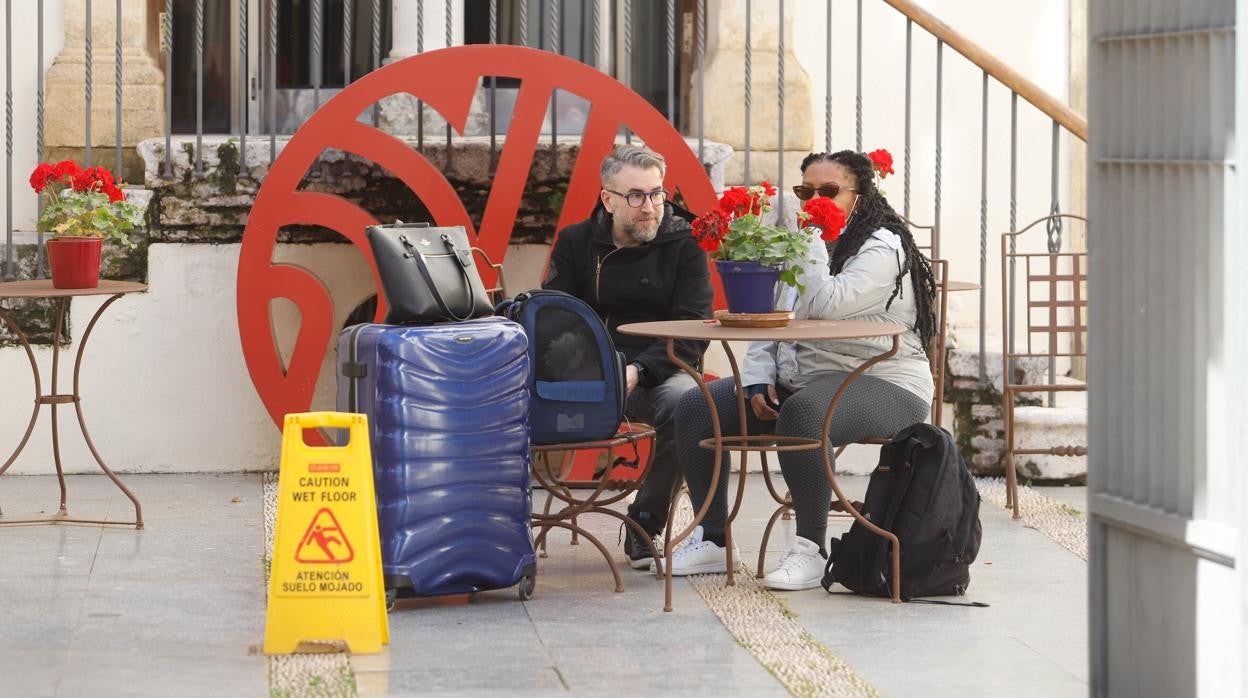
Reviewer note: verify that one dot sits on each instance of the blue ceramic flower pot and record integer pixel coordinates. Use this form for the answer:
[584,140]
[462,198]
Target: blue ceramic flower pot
[749,286]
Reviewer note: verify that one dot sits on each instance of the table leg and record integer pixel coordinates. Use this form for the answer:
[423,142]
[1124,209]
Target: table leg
[671,541]
[34,372]
[786,504]
[743,428]
[55,399]
[82,424]
[831,472]
[785,511]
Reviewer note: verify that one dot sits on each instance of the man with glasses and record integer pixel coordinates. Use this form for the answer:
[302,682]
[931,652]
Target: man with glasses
[635,260]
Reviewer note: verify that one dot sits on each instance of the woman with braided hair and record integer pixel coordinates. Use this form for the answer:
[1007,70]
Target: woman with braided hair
[875,273]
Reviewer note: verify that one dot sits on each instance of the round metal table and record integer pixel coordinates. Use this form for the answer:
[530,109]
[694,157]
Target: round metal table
[43,289]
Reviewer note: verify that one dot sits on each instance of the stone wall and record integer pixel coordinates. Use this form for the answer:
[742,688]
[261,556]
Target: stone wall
[978,423]
[212,207]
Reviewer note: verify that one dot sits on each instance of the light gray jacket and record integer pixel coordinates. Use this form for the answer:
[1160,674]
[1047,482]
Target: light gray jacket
[859,292]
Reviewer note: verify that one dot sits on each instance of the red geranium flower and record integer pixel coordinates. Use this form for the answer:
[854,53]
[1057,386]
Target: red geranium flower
[96,179]
[102,175]
[735,202]
[39,178]
[758,198]
[739,201]
[825,215]
[114,194]
[83,181]
[65,170]
[882,162]
[710,228]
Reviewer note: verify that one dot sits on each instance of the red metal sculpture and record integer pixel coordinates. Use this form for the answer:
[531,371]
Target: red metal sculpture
[445,80]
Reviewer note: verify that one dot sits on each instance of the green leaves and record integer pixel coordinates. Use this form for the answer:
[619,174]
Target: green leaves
[89,214]
[789,276]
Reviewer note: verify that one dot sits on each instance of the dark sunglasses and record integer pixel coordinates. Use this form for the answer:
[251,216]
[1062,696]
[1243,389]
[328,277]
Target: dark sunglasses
[829,190]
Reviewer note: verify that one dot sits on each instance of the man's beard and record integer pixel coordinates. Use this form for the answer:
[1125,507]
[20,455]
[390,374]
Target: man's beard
[637,233]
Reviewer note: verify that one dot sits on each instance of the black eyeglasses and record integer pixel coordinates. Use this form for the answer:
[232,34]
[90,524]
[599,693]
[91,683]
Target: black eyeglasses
[829,190]
[637,198]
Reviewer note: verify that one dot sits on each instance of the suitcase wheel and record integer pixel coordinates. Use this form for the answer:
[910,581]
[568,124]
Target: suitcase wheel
[525,590]
[392,595]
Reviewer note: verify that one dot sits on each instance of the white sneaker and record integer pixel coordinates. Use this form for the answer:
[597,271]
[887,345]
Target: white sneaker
[699,556]
[800,568]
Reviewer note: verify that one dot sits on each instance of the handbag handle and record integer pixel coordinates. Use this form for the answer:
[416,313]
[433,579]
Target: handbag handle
[419,258]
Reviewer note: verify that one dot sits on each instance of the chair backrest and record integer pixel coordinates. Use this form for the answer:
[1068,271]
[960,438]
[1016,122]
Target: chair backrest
[936,352]
[1053,286]
[498,291]
[926,237]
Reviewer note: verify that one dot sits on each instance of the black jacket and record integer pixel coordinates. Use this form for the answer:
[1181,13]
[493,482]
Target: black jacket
[664,279]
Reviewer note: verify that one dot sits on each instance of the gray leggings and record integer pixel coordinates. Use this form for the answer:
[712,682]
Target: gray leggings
[870,407]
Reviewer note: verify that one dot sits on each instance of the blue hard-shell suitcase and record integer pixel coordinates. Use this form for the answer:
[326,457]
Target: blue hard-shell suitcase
[448,412]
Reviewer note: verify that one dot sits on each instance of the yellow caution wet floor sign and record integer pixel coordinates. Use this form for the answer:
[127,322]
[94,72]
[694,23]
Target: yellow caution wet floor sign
[325,584]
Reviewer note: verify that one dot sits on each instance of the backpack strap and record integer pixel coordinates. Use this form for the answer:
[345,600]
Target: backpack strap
[970,513]
[971,604]
[827,581]
[934,602]
[900,485]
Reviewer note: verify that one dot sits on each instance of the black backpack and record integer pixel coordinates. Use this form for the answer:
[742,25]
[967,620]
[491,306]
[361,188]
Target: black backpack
[924,494]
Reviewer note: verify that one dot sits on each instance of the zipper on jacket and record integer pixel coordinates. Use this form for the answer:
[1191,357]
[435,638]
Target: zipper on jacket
[598,273]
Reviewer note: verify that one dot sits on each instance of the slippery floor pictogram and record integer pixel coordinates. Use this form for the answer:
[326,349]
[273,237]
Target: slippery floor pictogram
[324,541]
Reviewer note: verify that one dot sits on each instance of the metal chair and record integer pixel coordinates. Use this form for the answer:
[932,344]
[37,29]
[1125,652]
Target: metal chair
[938,350]
[558,484]
[1054,284]
[495,292]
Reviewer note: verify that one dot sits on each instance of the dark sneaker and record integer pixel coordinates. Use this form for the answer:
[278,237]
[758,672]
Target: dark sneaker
[636,550]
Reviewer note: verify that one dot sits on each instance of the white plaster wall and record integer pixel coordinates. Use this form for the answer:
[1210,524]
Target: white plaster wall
[164,384]
[1035,42]
[25,157]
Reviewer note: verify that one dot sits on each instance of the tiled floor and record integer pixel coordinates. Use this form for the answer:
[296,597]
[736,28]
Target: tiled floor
[175,609]
[178,609]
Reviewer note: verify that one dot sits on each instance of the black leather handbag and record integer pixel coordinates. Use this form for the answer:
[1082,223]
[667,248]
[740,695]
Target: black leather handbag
[427,273]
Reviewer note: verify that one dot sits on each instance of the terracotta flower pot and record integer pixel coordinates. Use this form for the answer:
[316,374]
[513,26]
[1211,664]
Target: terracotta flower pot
[75,261]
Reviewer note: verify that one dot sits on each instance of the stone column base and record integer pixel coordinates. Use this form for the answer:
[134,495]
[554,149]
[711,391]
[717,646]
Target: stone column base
[765,164]
[400,115]
[724,92]
[142,88]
